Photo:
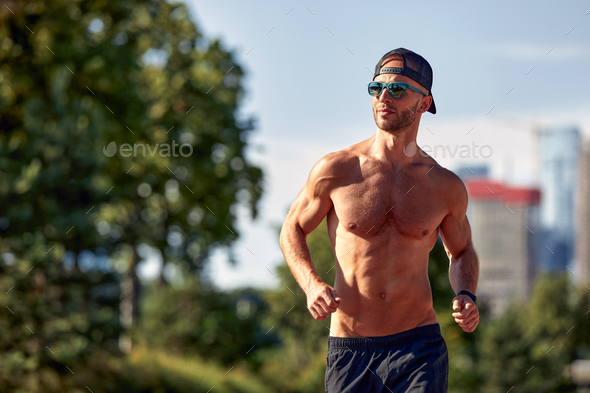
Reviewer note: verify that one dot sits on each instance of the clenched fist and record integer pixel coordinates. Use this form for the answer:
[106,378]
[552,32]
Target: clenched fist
[322,300]
[467,314]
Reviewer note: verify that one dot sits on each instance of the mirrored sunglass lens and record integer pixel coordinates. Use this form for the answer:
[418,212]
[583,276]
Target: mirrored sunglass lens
[375,88]
[396,91]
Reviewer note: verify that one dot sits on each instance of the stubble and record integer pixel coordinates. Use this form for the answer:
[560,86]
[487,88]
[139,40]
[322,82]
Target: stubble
[404,120]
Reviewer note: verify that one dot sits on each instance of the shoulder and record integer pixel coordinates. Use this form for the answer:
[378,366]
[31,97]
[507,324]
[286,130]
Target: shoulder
[334,165]
[444,178]
[454,191]
[328,173]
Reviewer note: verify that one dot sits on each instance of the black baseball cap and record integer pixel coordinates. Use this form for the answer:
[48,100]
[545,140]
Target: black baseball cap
[414,67]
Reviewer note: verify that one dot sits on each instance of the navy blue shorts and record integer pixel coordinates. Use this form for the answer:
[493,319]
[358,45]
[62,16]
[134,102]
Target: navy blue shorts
[415,360]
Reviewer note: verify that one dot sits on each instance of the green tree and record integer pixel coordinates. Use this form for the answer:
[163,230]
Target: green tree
[195,318]
[76,76]
[529,345]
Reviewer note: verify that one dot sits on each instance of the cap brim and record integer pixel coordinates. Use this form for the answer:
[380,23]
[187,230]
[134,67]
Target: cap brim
[432,108]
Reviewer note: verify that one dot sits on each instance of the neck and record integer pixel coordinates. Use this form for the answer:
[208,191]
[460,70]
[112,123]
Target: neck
[389,146]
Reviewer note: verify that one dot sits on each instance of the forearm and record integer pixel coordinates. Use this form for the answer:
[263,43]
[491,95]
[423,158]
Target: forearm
[464,271]
[298,258]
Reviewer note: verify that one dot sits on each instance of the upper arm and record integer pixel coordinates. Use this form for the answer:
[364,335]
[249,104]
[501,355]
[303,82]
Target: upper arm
[313,202]
[455,231]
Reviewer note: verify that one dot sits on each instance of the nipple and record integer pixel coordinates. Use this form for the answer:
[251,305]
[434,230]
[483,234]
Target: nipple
[351,225]
[425,232]
[382,295]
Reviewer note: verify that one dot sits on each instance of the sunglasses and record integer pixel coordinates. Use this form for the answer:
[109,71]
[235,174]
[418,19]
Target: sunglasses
[395,89]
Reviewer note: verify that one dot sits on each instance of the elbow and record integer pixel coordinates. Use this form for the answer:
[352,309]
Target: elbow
[285,234]
[466,251]
[289,232]
[283,237]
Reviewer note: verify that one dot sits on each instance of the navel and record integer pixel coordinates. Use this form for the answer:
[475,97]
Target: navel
[351,225]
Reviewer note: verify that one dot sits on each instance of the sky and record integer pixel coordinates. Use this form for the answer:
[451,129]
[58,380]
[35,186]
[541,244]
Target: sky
[502,70]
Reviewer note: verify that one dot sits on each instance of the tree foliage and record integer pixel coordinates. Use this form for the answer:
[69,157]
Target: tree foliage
[76,78]
[198,319]
[530,345]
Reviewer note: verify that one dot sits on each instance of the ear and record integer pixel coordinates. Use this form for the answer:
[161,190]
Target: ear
[425,104]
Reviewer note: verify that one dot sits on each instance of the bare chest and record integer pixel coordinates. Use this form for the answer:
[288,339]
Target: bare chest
[406,205]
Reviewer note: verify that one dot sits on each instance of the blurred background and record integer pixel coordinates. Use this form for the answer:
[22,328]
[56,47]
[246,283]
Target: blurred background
[149,152]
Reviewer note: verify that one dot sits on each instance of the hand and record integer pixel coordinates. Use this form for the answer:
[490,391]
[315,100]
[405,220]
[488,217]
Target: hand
[322,300]
[467,315]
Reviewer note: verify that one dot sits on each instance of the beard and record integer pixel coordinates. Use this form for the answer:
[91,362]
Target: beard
[404,120]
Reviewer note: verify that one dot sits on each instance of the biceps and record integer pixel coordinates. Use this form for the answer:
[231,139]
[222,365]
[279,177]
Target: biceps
[455,234]
[308,211]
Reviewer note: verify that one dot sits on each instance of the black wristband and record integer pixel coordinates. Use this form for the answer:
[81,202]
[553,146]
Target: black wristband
[464,292]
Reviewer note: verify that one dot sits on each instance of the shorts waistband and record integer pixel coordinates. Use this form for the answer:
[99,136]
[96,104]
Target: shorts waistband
[383,341]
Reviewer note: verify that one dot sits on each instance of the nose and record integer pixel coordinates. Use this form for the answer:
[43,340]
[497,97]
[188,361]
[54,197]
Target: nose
[384,96]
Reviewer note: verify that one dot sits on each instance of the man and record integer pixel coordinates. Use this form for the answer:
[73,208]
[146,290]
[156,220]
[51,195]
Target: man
[385,210]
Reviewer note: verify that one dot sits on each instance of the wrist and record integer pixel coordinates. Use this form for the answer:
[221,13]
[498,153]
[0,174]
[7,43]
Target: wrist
[465,292]
[313,282]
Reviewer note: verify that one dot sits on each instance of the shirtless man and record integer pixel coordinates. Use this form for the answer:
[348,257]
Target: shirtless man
[386,207]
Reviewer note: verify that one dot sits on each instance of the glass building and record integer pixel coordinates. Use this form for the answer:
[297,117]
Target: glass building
[559,151]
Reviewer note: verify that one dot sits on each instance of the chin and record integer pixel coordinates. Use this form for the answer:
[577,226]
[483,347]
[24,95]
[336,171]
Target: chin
[387,128]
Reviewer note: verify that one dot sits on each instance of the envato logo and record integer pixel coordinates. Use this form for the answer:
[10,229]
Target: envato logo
[464,151]
[164,149]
